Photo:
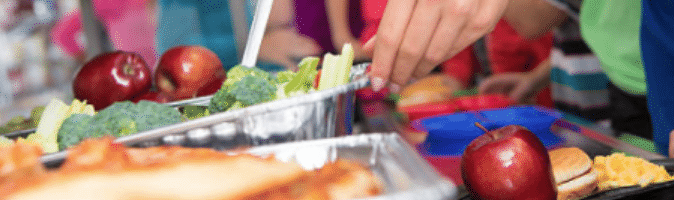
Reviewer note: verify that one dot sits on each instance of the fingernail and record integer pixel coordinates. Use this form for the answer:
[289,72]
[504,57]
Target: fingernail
[377,83]
[395,88]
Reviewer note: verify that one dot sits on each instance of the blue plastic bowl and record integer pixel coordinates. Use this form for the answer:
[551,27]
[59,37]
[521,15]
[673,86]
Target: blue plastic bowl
[451,134]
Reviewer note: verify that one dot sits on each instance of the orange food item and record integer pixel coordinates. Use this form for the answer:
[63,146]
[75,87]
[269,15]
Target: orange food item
[102,169]
[618,170]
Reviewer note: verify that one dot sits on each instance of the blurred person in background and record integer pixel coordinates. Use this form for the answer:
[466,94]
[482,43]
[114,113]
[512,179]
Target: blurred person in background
[332,24]
[657,50]
[210,24]
[578,84]
[611,31]
[129,23]
[510,56]
[507,50]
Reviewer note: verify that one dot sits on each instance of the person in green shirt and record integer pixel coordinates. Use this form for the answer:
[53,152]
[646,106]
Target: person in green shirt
[611,30]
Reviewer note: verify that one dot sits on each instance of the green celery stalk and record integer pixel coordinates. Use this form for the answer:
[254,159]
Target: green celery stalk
[307,65]
[336,69]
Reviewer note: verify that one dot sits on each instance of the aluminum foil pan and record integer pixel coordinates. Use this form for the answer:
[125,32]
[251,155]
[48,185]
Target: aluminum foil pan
[320,114]
[406,176]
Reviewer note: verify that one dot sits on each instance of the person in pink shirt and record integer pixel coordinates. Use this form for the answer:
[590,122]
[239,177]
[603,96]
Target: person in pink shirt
[129,23]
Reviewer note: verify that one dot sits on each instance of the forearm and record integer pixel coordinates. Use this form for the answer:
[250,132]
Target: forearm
[533,18]
[282,14]
[541,73]
[338,19]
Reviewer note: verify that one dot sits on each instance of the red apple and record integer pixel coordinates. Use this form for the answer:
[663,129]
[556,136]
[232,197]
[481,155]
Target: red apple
[184,71]
[211,88]
[508,163]
[155,96]
[112,77]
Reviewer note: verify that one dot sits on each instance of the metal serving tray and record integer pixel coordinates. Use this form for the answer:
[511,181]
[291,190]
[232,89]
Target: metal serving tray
[404,174]
[320,114]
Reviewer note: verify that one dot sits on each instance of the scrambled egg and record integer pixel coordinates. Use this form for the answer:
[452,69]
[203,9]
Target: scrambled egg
[618,170]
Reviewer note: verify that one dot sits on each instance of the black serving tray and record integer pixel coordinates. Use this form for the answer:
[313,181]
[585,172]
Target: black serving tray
[651,192]
[660,191]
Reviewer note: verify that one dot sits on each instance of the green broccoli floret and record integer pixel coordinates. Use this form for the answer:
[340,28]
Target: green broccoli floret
[75,128]
[244,87]
[252,90]
[239,72]
[237,105]
[119,119]
[193,112]
[221,100]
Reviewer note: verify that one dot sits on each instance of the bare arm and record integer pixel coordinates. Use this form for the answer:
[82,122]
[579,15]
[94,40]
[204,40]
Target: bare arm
[282,14]
[338,18]
[533,18]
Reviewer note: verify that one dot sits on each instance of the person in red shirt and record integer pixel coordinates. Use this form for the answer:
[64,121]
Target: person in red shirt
[508,52]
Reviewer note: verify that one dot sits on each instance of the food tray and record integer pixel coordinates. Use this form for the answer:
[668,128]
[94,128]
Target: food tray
[320,114]
[659,191]
[404,174]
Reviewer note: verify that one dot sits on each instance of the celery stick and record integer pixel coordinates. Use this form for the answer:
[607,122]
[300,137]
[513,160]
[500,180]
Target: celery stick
[50,122]
[346,64]
[307,66]
[328,74]
[336,69]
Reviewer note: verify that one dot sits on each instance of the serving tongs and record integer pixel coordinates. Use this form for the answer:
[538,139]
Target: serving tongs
[260,19]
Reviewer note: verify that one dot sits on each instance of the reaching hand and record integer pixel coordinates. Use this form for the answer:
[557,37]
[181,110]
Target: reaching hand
[415,36]
[521,87]
[286,46]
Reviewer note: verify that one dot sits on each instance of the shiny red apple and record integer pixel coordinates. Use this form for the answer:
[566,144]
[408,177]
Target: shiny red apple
[184,71]
[112,77]
[211,88]
[155,96]
[508,163]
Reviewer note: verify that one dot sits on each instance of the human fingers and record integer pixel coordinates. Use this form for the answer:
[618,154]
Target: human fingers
[419,32]
[487,15]
[497,84]
[523,90]
[453,19]
[368,47]
[389,35]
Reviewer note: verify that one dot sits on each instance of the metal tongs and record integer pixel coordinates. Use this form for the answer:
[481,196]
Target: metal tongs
[260,19]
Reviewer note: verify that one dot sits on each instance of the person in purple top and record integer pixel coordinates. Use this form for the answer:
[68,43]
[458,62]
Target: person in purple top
[311,19]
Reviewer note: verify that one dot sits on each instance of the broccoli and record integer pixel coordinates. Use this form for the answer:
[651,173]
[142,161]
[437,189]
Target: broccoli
[239,72]
[221,101]
[193,112]
[119,119]
[252,90]
[254,87]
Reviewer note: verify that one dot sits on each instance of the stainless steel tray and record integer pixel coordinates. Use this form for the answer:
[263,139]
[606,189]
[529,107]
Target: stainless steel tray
[320,114]
[404,174]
